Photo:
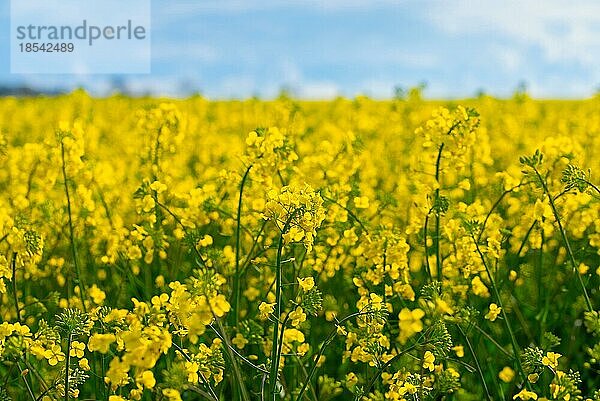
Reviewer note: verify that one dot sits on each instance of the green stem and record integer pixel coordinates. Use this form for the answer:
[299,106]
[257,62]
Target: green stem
[43,383]
[539,272]
[350,213]
[67,366]
[105,205]
[23,375]
[566,241]
[327,341]
[234,363]
[388,363]
[513,340]
[593,186]
[236,279]
[185,230]
[103,372]
[225,338]
[197,390]
[212,393]
[254,243]
[477,365]
[427,267]
[280,344]
[243,358]
[438,259]
[79,279]
[312,390]
[14,286]
[494,206]
[524,241]
[491,339]
[155,265]
[274,352]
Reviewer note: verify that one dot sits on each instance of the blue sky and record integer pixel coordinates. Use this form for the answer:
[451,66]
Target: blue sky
[320,49]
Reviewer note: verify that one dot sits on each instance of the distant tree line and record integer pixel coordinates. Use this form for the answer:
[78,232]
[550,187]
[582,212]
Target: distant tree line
[25,91]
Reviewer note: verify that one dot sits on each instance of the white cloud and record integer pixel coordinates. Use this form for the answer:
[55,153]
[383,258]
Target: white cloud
[234,86]
[159,86]
[177,9]
[290,72]
[563,30]
[306,88]
[288,76]
[378,87]
[318,90]
[378,51]
[510,58]
[235,6]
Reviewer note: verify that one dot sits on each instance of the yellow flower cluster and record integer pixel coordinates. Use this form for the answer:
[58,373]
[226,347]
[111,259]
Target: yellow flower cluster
[351,249]
[297,211]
